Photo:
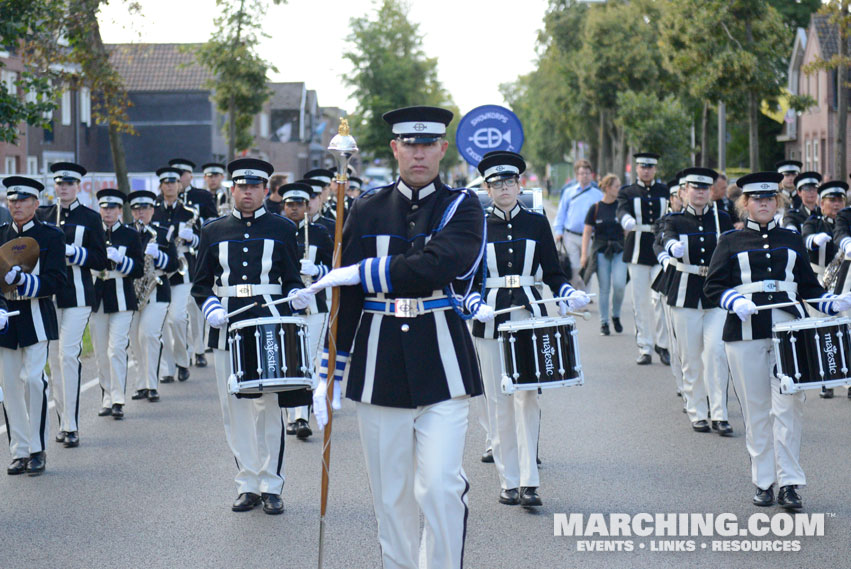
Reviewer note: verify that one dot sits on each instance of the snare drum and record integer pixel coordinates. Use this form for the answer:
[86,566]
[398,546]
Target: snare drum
[269,355]
[812,353]
[539,353]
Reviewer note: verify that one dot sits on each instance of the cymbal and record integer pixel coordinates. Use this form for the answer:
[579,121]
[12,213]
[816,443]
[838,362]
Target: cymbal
[23,252]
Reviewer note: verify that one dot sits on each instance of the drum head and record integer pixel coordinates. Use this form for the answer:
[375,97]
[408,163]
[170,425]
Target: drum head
[533,323]
[268,320]
[22,252]
[810,323]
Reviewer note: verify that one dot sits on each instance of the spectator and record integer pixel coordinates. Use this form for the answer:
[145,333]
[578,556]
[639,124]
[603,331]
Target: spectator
[570,219]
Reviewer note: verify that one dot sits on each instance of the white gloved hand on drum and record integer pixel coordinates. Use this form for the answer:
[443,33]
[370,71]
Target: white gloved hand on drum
[820,239]
[484,312]
[563,308]
[841,303]
[344,276]
[576,299]
[217,318]
[744,308]
[320,404]
[302,299]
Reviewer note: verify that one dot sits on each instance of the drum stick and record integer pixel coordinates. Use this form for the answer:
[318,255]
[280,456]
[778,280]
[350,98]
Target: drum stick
[790,303]
[542,301]
[279,301]
[13,313]
[241,310]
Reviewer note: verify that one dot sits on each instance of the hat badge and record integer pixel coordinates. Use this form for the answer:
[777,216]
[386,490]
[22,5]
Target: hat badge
[248,173]
[500,168]
[419,127]
[65,174]
[765,186]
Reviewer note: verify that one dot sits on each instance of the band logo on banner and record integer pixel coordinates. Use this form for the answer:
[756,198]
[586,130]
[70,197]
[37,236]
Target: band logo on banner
[485,129]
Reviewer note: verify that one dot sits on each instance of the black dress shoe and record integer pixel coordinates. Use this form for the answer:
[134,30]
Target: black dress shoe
[701,426]
[246,501]
[208,351]
[140,394]
[643,360]
[764,498]
[105,412]
[273,504]
[616,322]
[72,439]
[664,356]
[37,463]
[302,429]
[153,396]
[60,436]
[538,460]
[118,411]
[604,329]
[723,427]
[788,498]
[182,373]
[200,360]
[826,393]
[529,497]
[18,466]
[509,497]
[291,428]
[167,379]
[487,456]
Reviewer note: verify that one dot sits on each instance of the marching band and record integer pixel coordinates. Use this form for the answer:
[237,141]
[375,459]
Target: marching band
[440,301]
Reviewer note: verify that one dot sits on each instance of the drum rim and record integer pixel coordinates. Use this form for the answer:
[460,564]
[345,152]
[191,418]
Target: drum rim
[268,320]
[807,323]
[543,322]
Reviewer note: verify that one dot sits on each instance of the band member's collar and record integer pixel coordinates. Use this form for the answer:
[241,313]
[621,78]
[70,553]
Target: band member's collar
[641,184]
[690,209]
[507,215]
[257,213]
[751,224]
[27,226]
[301,223]
[115,225]
[415,195]
[71,207]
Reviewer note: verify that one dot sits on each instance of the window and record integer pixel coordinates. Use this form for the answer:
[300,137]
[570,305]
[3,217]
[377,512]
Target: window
[48,132]
[816,165]
[11,165]
[86,106]
[32,165]
[66,107]
[808,156]
[8,79]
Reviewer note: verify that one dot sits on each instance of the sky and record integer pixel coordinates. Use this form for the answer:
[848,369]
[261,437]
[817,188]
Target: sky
[479,43]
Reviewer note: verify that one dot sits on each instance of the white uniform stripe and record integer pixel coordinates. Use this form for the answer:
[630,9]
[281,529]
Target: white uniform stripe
[382,273]
[684,277]
[491,301]
[636,248]
[77,273]
[119,286]
[745,269]
[266,263]
[223,336]
[223,262]
[448,356]
[371,357]
[382,245]
[38,322]
[493,269]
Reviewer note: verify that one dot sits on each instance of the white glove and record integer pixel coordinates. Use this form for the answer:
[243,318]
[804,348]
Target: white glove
[302,299]
[217,318]
[841,303]
[309,268]
[847,251]
[562,308]
[186,234]
[335,399]
[344,276]
[14,276]
[744,308]
[819,239]
[152,250]
[628,224]
[114,254]
[69,250]
[3,319]
[484,313]
[320,405]
[677,249]
[576,299]
[665,262]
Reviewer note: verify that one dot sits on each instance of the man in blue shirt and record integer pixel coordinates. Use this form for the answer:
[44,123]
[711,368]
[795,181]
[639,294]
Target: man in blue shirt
[575,202]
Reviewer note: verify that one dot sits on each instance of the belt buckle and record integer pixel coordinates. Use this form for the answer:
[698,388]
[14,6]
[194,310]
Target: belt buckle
[405,308]
[243,290]
[702,271]
[769,286]
[512,281]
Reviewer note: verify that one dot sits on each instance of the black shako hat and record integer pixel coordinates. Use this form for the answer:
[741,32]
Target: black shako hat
[760,184]
[110,196]
[182,164]
[700,177]
[296,191]
[418,125]
[20,187]
[833,188]
[67,172]
[788,166]
[501,164]
[250,171]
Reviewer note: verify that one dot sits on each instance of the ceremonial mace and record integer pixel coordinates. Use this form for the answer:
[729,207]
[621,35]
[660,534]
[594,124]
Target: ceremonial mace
[343,146]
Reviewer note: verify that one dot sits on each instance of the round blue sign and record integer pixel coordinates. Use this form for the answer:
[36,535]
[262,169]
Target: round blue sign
[485,129]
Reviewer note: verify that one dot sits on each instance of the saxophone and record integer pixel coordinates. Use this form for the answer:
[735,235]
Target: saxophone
[831,272]
[183,263]
[147,283]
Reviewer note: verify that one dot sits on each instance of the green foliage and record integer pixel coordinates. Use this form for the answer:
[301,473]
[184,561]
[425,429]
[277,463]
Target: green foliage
[390,70]
[796,13]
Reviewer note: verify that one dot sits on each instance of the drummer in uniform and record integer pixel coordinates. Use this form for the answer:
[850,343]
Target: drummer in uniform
[115,302]
[85,252]
[758,265]
[639,206]
[146,328]
[24,338]
[520,246]
[249,256]
[315,264]
[690,237]
[806,185]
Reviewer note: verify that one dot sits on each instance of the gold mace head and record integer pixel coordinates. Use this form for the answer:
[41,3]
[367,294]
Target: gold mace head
[343,130]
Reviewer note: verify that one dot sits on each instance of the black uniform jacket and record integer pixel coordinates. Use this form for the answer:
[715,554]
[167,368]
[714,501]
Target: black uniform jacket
[114,286]
[645,205]
[172,217]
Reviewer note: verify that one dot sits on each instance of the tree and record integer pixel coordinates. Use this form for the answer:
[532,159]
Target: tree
[390,70]
[239,73]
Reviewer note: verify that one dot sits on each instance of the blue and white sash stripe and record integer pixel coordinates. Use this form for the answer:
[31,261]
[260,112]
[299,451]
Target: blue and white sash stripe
[809,242]
[30,287]
[662,257]
[729,297]
[323,270]
[472,302]
[566,290]
[126,266]
[210,305]
[375,274]
[826,305]
[80,255]
[339,367]
[161,261]
[668,246]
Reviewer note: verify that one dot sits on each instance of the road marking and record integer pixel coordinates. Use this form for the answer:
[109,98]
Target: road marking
[88,385]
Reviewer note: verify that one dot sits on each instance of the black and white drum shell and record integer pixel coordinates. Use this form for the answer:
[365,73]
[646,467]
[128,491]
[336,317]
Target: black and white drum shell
[812,353]
[269,355]
[539,353]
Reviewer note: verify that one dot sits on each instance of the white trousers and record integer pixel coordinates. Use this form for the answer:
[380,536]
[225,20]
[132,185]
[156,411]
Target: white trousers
[773,421]
[65,366]
[316,327]
[110,338]
[25,393]
[514,420]
[413,460]
[647,308]
[703,360]
[573,247]
[254,429]
[197,326]
[146,344]
[175,330]
[676,363]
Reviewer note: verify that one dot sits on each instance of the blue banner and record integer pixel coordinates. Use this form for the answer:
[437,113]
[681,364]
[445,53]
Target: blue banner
[485,129]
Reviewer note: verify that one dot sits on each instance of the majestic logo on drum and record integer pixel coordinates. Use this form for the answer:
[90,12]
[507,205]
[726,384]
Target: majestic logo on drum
[548,352]
[830,351]
[271,347]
